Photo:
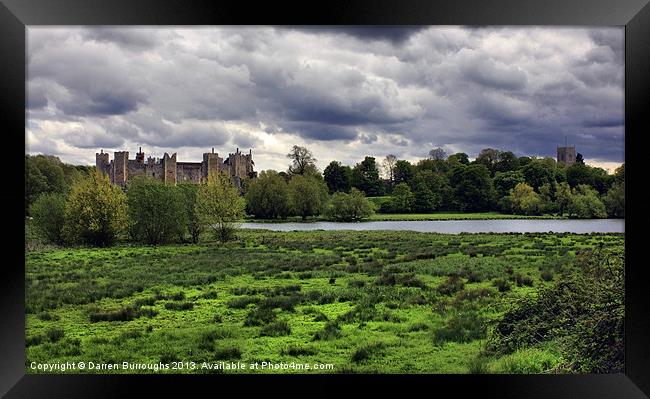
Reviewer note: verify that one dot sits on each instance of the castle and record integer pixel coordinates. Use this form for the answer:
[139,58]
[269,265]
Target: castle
[122,169]
[566,155]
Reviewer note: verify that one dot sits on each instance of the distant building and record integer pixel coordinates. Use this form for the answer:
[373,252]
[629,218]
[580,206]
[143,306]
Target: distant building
[121,169]
[566,155]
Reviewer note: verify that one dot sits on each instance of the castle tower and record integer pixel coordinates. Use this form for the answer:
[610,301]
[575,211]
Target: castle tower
[101,162]
[169,168]
[566,155]
[140,156]
[120,169]
[211,164]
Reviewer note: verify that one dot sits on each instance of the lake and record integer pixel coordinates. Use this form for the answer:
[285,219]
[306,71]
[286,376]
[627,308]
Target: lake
[460,226]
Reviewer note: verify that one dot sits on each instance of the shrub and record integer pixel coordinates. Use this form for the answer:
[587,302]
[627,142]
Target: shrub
[48,212]
[179,305]
[464,327]
[363,353]
[298,351]
[268,196]
[546,275]
[349,207]
[54,334]
[501,284]
[356,283]
[276,329]
[523,280]
[219,206]
[332,330]
[227,353]
[123,314]
[259,317]
[243,302]
[451,285]
[96,211]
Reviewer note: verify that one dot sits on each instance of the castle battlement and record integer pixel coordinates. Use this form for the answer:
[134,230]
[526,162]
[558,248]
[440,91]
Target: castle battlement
[121,169]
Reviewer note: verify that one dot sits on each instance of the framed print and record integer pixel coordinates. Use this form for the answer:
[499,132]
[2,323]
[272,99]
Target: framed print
[375,194]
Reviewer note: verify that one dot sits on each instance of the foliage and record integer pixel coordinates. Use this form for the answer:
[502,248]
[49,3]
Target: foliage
[96,212]
[48,212]
[586,204]
[365,177]
[614,200]
[338,177]
[524,200]
[193,222]
[349,207]
[268,196]
[219,206]
[401,201]
[156,210]
[474,191]
[403,172]
[307,195]
[302,161]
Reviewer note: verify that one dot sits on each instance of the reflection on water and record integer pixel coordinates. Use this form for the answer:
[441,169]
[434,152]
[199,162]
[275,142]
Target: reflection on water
[460,226]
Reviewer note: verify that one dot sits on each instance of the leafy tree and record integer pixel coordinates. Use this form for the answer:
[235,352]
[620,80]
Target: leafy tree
[506,181]
[563,197]
[302,161]
[219,206]
[619,174]
[506,162]
[404,172]
[427,189]
[614,200]
[365,177]
[523,161]
[474,191]
[488,157]
[307,195]
[547,196]
[401,201]
[268,196]
[156,210]
[96,212]
[48,212]
[580,159]
[338,177]
[578,174]
[585,203]
[349,207]
[458,158]
[537,173]
[524,200]
[193,223]
[434,165]
[35,182]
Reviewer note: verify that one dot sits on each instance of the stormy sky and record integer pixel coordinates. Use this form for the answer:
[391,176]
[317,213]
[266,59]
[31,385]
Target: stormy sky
[343,92]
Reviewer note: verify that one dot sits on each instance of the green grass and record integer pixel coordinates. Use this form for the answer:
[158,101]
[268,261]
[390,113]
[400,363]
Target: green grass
[366,301]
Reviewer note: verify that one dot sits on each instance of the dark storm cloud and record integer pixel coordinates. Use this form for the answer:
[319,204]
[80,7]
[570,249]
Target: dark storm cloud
[385,89]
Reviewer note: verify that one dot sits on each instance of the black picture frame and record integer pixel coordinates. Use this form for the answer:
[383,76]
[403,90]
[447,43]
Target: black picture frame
[15,15]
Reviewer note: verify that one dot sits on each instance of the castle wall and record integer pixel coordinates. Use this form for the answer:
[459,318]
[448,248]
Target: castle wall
[135,168]
[120,171]
[189,172]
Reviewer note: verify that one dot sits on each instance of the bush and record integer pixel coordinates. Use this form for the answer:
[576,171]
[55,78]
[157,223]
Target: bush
[48,212]
[349,207]
[546,275]
[276,329]
[501,284]
[259,317]
[96,212]
[268,196]
[179,305]
[54,334]
[219,206]
[332,330]
[453,284]
[298,351]
[523,280]
[364,352]
[464,327]
[157,210]
[227,353]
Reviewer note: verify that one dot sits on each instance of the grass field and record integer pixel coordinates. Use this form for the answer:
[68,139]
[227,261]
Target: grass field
[365,302]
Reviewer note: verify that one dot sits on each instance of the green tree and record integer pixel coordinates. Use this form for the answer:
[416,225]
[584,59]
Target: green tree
[614,200]
[404,172]
[338,177]
[302,161]
[268,196]
[219,206]
[578,174]
[349,207]
[365,177]
[401,200]
[488,157]
[506,181]
[427,188]
[307,195]
[458,158]
[96,212]
[156,210]
[48,212]
[563,197]
[506,162]
[474,191]
[585,203]
[193,223]
[524,200]
[537,173]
